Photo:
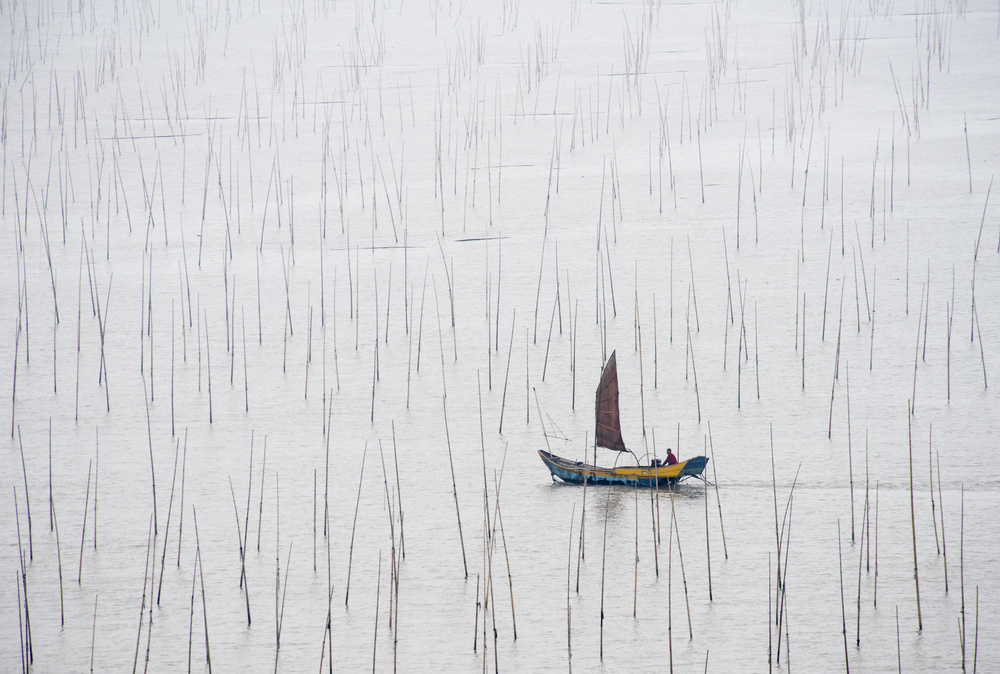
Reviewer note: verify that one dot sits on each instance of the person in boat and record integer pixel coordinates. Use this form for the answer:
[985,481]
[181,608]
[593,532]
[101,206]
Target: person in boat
[669,461]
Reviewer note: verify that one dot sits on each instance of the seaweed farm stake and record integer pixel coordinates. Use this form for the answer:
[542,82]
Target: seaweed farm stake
[166,532]
[378,590]
[569,622]
[913,522]
[607,503]
[861,558]
[204,605]
[843,608]
[930,457]
[583,517]
[243,564]
[454,487]
[850,460]
[708,550]
[399,498]
[680,556]
[961,571]
[180,524]
[944,545]
[260,512]
[27,502]
[152,473]
[142,608]
[350,554]
[875,580]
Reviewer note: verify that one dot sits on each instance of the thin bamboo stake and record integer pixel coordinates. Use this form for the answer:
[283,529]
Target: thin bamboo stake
[510,578]
[975,640]
[180,525]
[93,635]
[961,571]
[913,524]
[510,351]
[454,487]
[635,582]
[875,579]
[861,559]
[142,608]
[166,533]
[378,591]
[399,499]
[850,459]
[27,501]
[357,504]
[152,473]
[204,603]
[670,569]
[604,552]
[62,610]
[569,619]
[944,545]
[583,516]
[680,557]
[930,464]
[260,511]
[244,581]
[843,606]
[694,370]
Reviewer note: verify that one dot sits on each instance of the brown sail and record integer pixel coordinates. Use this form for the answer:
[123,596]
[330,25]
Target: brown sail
[608,433]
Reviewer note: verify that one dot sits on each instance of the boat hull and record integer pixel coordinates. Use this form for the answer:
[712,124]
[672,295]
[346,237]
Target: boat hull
[577,472]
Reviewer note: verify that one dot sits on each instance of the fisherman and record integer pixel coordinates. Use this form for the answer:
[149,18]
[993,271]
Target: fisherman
[669,461]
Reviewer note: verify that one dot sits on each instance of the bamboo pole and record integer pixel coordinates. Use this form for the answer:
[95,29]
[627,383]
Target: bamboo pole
[913,523]
[569,618]
[244,581]
[715,479]
[861,559]
[27,501]
[166,532]
[670,595]
[93,636]
[510,351]
[583,516]
[604,553]
[510,578]
[142,608]
[875,580]
[850,459]
[930,463]
[961,572]
[149,434]
[944,544]
[204,604]
[62,609]
[843,607]
[680,557]
[454,487]
[694,370]
[378,591]
[399,498]
[635,582]
[357,504]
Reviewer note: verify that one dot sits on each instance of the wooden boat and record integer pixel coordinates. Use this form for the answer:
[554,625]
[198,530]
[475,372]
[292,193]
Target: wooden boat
[608,434]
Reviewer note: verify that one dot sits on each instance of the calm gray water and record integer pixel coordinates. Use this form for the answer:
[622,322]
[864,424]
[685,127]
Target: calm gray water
[316,239]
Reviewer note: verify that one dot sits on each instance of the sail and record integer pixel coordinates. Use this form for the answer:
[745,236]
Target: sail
[608,432]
